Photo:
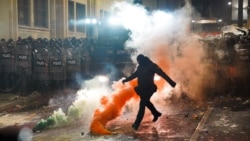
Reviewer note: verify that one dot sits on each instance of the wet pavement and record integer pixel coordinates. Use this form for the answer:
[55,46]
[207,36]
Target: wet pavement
[178,122]
[222,119]
[11,102]
[229,120]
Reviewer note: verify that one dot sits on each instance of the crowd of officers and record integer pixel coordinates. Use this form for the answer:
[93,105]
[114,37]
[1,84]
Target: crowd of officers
[230,58]
[36,64]
[41,64]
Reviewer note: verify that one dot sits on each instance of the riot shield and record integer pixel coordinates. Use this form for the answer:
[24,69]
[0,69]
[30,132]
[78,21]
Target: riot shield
[40,66]
[8,66]
[72,55]
[57,67]
[24,66]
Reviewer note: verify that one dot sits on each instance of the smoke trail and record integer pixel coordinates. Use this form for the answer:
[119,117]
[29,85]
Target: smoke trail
[86,101]
[166,39]
[112,107]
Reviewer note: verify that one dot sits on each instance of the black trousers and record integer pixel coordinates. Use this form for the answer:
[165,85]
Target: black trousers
[145,95]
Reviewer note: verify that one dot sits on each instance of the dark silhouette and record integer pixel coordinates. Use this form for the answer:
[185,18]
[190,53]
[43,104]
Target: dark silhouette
[146,87]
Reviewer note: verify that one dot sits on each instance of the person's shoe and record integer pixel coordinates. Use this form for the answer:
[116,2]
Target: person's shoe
[156,117]
[135,126]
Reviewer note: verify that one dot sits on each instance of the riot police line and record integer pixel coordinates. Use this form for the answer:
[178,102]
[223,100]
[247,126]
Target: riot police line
[44,64]
[39,64]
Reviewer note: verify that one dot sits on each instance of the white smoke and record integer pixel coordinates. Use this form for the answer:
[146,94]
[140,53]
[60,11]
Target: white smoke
[166,38]
[163,37]
[88,98]
[86,101]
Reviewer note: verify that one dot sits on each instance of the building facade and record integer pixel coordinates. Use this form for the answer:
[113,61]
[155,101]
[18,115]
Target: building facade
[67,18]
[53,18]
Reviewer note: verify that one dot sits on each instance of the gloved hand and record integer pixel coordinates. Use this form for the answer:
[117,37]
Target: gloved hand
[173,84]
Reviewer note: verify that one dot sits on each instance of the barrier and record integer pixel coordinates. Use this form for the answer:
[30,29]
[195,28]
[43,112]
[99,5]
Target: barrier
[56,64]
[72,62]
[41,62]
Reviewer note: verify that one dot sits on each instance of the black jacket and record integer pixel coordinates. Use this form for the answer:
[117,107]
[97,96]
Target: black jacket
[145,74]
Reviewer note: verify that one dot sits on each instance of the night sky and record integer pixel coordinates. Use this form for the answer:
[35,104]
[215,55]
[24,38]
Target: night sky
[205,8]
[212,8]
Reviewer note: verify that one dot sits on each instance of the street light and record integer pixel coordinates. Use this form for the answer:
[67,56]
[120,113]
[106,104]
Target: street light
[90,22]
[219,20]
[230,11]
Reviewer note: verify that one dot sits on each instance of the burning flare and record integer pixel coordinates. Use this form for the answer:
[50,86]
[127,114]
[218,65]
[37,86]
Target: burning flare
[171,45]
[112,107]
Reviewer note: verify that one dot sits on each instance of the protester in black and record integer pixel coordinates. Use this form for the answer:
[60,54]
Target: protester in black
[146,87]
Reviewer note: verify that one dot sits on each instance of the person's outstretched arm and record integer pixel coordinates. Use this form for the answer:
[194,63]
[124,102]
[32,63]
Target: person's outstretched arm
[160,72]
[131,77]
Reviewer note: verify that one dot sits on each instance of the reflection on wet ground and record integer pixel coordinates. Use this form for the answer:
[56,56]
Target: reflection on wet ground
[176,123]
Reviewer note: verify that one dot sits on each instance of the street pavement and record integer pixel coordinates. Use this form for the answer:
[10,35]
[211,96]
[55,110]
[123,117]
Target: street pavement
[229,120]
[224,118]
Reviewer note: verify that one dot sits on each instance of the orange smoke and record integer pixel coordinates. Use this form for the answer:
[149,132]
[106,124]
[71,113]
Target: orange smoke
[112,107]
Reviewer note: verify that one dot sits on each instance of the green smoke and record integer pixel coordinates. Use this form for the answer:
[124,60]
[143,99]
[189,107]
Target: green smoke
[59,118]
[86,102]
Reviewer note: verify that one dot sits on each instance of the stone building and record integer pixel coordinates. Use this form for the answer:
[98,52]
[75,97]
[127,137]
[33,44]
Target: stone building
[53,18]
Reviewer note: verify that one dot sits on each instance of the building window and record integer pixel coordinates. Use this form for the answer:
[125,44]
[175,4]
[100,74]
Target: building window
[76,16]
[41,13]
[103,14]
[24,12]
[71,15]
[80,17]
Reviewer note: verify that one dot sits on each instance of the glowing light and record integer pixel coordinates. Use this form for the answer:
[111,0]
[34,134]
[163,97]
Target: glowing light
[87,21]
[114,21]
[103,78]
[129,16]
[93,21]
[219,20]
[90,21]
[158,35]
[229,3]
[161,17]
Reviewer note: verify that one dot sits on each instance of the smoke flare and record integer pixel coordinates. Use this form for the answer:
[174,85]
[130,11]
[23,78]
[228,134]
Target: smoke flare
[112,107]
[167,40]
